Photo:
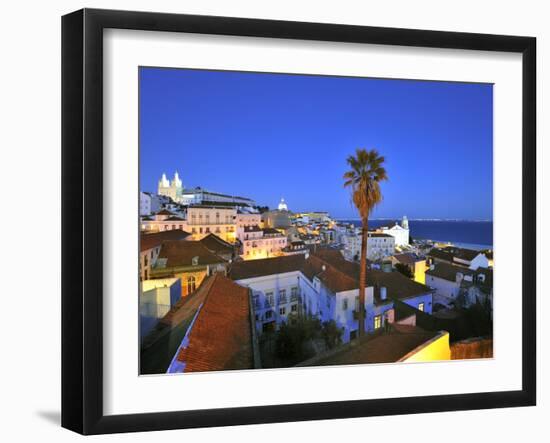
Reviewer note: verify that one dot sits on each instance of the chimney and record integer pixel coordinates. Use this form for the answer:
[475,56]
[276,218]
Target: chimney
[383,293]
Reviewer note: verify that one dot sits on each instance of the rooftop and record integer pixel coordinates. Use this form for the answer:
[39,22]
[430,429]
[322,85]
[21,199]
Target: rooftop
[388,347]
[147,285]
[216,245]
[266,266]
[448,272]
[164,212]
[221,336]
[152,240]
[177,253]
[450,252]
[160,345]
[407,259]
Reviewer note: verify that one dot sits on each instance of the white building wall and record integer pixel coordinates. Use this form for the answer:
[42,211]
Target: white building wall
[144,204]
[267,296]
[445,290]
[480,261]
[400,234]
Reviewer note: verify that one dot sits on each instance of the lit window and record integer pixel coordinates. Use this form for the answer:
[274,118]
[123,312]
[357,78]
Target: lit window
[421,307]
[191,284]
[377,322]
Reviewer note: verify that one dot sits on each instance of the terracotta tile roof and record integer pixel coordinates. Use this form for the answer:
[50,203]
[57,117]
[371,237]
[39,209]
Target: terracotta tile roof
[450,252]
[174,218]
[152,240]
[398,286]
[267,266]
[160,345]
[164,212]
[217,245]
[407,259]
[221,336]
[385,348]
[448,272]
[178,253]
[342,275]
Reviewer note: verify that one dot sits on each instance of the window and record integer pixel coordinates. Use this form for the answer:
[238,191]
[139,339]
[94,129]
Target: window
[377,322]
[282,311]
[282,296]
[345,304]
[268,315]
[191,284]
[421,307]
[294,308]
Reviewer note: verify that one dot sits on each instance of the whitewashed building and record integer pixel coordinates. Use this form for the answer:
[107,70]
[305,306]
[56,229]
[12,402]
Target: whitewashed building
[400,232]
[379,245]
[450,282]
[324,286]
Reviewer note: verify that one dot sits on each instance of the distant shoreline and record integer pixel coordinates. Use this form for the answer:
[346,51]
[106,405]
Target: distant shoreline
[471,234]
[417,219]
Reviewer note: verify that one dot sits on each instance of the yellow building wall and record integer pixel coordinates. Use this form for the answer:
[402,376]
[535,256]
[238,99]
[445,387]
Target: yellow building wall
[437,349]
[199,277]
[420,272]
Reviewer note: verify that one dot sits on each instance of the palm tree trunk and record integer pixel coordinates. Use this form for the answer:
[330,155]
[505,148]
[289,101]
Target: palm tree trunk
[363,277]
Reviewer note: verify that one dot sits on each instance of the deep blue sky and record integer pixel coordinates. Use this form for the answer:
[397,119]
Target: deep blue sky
[268,136]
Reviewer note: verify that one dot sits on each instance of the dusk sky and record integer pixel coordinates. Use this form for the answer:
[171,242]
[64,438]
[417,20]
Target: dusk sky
[267,136]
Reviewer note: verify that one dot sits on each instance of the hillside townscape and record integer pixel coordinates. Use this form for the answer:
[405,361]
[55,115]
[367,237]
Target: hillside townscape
[228,282]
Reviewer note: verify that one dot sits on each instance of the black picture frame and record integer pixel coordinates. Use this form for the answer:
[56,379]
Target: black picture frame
[82,231]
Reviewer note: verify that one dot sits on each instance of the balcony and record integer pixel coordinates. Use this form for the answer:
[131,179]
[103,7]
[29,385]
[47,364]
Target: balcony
[209,223]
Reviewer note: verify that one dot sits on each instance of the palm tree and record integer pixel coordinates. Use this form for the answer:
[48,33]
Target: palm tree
[364,179]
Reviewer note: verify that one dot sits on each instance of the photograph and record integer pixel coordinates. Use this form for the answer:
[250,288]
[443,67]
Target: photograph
[291,220]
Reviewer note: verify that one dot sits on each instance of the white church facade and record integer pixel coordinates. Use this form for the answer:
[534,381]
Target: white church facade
[399,231]
[195,196]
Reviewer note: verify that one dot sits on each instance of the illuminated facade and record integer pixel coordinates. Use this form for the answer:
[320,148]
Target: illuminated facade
[219,220]
[260,243]
[172,189]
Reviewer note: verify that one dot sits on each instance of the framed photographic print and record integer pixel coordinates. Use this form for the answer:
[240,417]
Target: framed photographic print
[307,221]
